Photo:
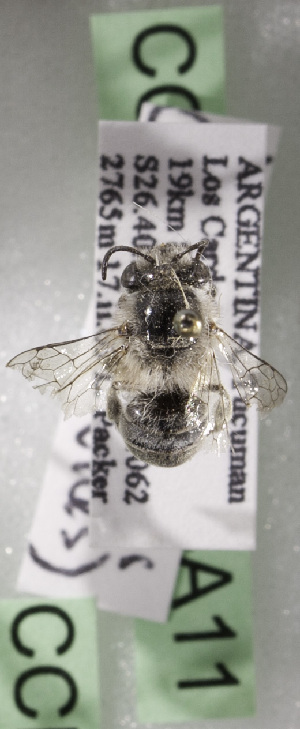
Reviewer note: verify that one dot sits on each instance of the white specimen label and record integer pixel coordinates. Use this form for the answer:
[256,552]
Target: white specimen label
[207,181]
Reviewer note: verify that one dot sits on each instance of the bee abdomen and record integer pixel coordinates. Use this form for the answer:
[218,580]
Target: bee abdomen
[155,426]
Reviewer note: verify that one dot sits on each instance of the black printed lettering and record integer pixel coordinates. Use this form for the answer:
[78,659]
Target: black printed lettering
[143,240]
[249,216]
[214,227]
[248,169]
[245,310]
[115,163]
[238,452]
[143,163]
[144,198]
[239,412]
[246,283]
[150,182]
[247,236]
[137,483]
[103,309]
[114,181]
[145,166]
[41,671]
[180,188]
[245,261]
[110,197]
[114,283]
[250,190]
[106,236]
[136,480]
[211,181]
[195,568]
[101,464]
[163,28]
[226,679]
[180,163]
[110,213]
[183,181]
[223,631]
[143,224]
[37,610]
[79,466]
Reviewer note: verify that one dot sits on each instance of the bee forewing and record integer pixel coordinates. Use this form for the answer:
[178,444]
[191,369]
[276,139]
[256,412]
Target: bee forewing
[256,381]
[76,372]
[209,406]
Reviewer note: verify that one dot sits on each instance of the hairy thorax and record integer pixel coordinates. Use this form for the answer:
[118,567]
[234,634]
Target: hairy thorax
[156,358]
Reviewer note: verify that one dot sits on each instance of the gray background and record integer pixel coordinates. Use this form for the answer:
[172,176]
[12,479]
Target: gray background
[48,189]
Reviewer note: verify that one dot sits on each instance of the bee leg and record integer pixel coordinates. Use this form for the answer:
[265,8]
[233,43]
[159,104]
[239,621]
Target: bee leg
[113,406]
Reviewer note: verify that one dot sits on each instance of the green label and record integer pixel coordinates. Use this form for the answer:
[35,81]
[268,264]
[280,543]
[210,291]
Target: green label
[49,664]
[170,57]
[200,665]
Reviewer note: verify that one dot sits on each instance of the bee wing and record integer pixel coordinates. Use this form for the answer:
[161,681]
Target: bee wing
[76,372]
[256,381]
[209,406]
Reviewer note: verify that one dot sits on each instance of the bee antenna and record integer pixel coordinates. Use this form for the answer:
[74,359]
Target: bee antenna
[202,245]
[199,246]
[130,249]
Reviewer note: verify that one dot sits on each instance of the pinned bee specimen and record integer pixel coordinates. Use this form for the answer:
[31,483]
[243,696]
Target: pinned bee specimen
[156,371]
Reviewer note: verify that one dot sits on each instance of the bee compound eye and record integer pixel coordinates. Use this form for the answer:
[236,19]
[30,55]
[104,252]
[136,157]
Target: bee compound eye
[186,275]
[130,278]
[133,412]
[187,324]
[147,277]
[201,272]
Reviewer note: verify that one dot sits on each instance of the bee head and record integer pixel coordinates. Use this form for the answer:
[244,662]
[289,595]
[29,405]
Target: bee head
[166,264]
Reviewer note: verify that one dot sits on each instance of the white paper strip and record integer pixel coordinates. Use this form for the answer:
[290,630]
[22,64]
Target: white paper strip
[215,190]
[167,114]
[60,561]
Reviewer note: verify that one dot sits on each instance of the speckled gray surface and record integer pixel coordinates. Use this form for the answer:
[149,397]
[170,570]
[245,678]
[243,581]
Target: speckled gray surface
[48,137]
